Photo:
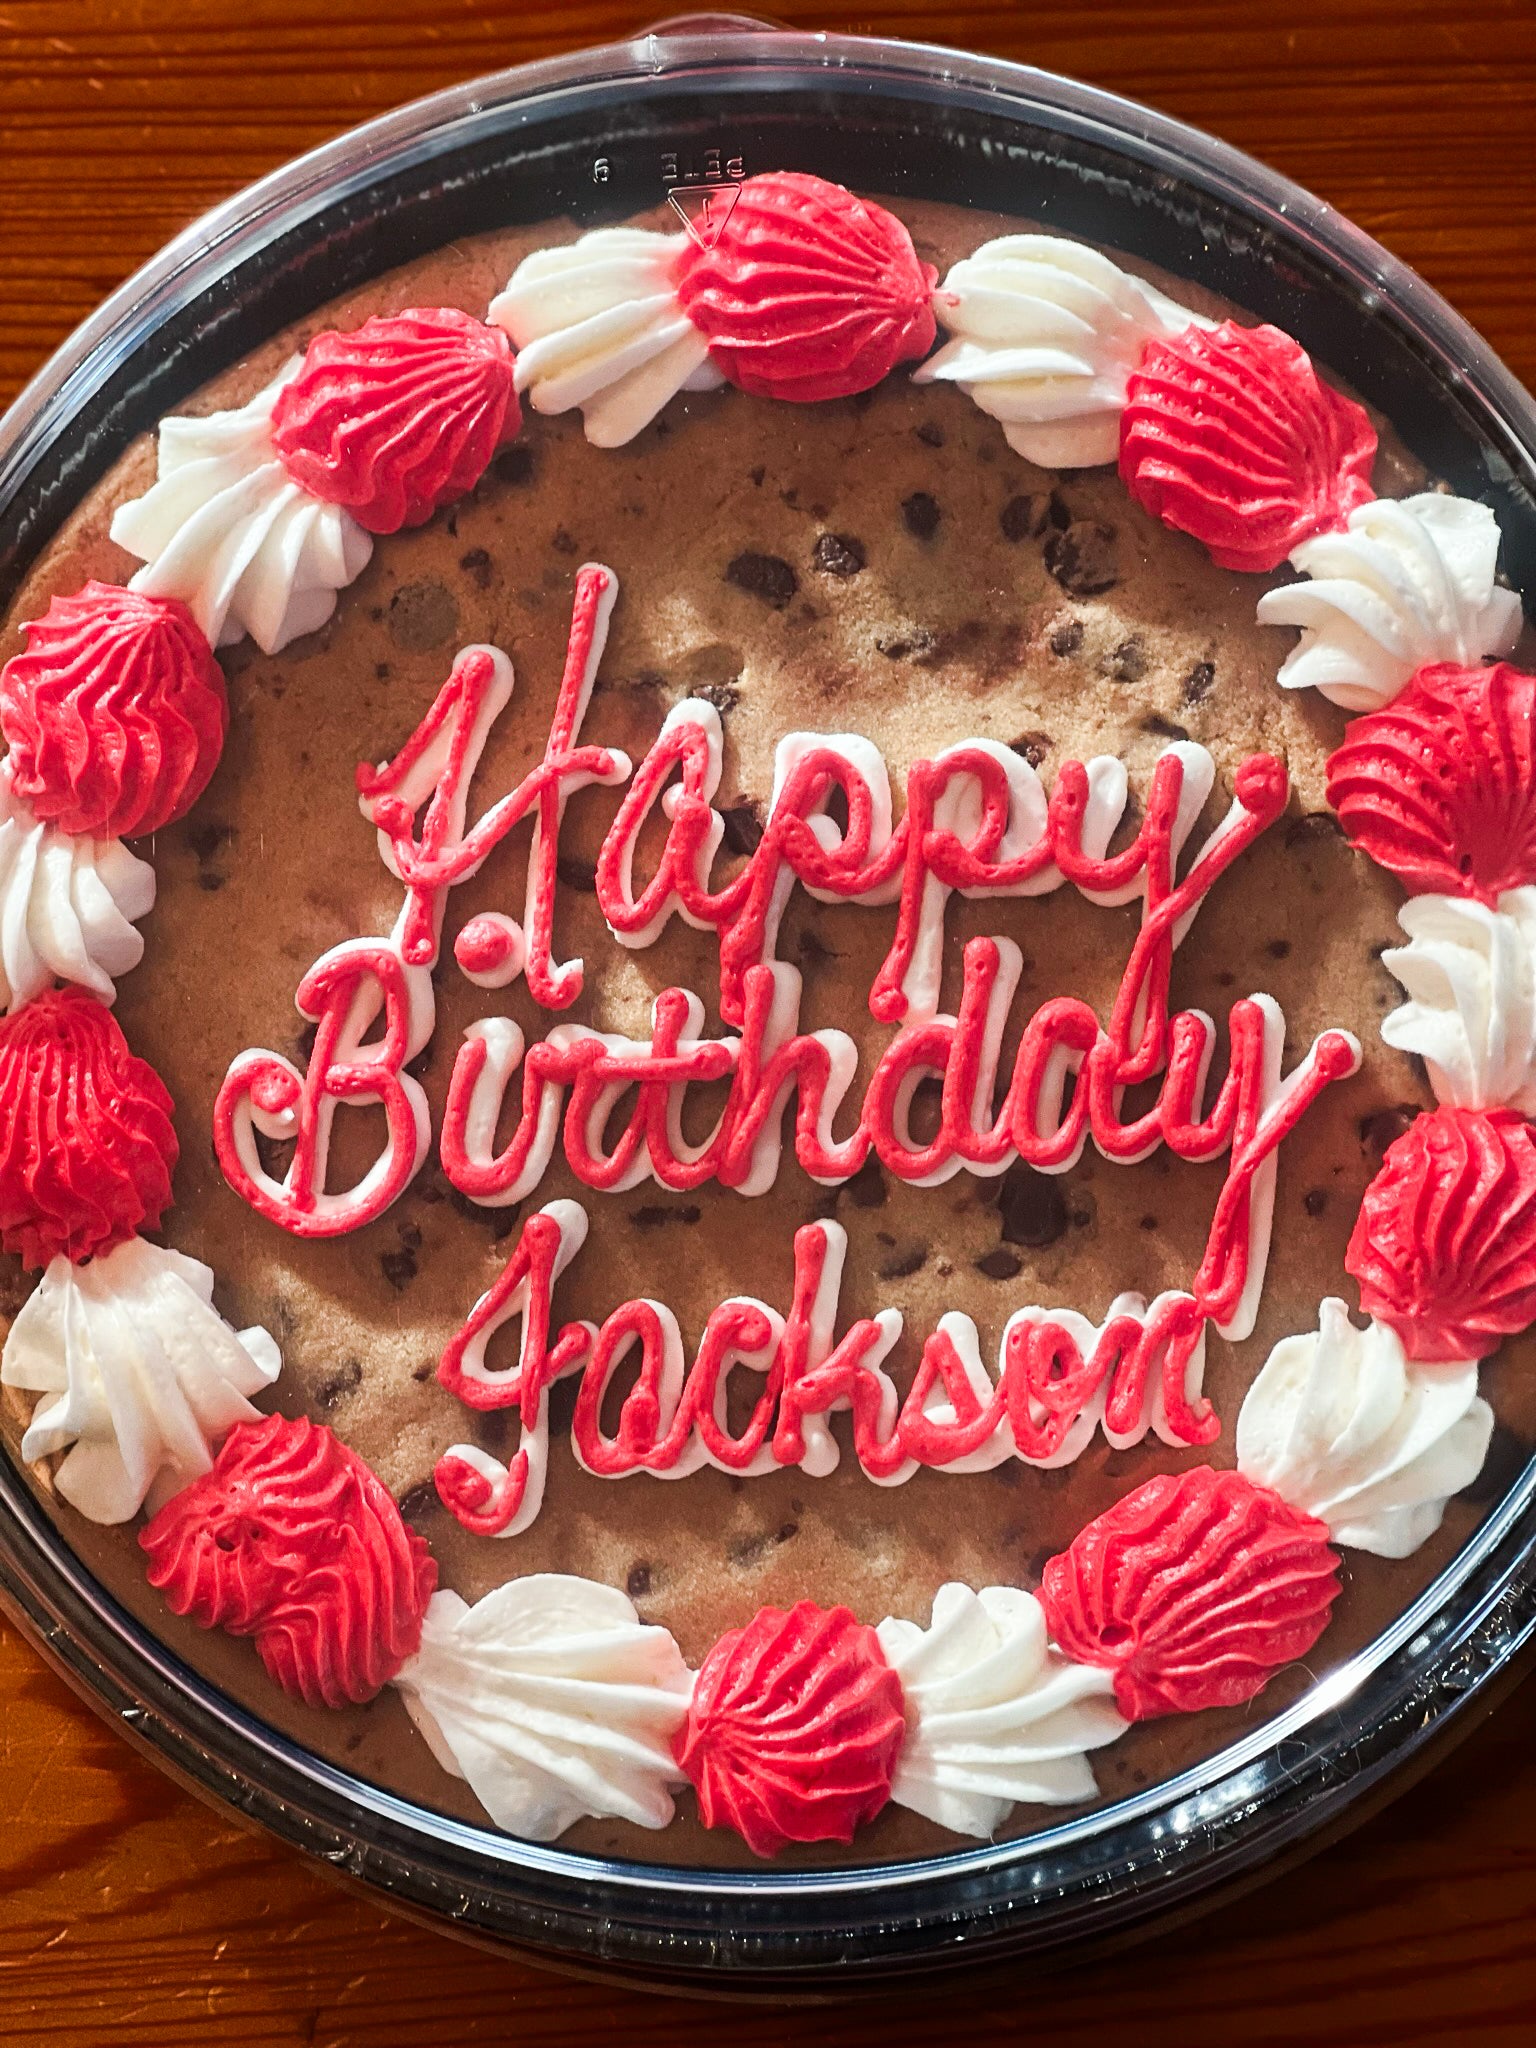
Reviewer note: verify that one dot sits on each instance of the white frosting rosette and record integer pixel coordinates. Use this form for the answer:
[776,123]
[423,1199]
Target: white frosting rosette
[68,905]
[995,1716]
[228,531]
[1410,581]
[1343,1426]
[142,1376]
[1046,332]
[597,324]
[1470,975]
[552,1700]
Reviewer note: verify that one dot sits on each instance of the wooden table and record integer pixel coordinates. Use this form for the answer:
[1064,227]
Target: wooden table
[133,1915]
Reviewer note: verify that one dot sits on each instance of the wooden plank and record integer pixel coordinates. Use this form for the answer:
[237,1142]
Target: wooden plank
[135,1916]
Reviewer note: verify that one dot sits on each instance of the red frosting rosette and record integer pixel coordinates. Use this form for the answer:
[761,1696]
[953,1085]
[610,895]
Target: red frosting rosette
[1193,1590]
[807,292]
[1440,786]
[292,1540]
[1444,1247]
[794,1728]
[115,713]
[1229,435]
[87,1145]
[398,417]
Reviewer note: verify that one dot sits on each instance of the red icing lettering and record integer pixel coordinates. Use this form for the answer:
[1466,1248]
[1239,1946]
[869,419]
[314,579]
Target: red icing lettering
[344,993]
[434,768]
[976,821]
[488,1498]
[1059,1381]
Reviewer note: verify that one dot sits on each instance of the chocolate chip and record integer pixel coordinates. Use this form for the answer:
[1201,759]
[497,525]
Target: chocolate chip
[208,838]
[502,1221]
[562,542]
[1315,1201]
[1001,1264]
[1166,728]
[839,554]
[1279,949]
[576,873]
[1384,1126]
[1082,558]
[477,567]
[516,465]
[766,576]
[1024,518]
[921,515]
[867,1189]
[1032,1206]
[1066,638]
[743,824]
[342,1381]
[399,1268]
[930,433]
[1128,662]
[210,879]
[813,948]
[656,1214]
[1199,683]
[745,1550]
[1034,746]
[423,616]
[382,671]
[410,1236]
[304,1041]
[418,1500]
[757,473]
[903,1263]
[1034,1569]
[638,1584]
[1315,825]
[1060,512]
[1149,1223]
[724,696]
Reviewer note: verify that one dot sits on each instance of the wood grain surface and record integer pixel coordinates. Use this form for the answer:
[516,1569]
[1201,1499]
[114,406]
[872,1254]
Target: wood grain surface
[132,1914]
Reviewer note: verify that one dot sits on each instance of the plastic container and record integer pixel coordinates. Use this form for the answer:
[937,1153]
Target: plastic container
[601,135]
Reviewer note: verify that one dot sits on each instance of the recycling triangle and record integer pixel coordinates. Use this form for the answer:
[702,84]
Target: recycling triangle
[703,209]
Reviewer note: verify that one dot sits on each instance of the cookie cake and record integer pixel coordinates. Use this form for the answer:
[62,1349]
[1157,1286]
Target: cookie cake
[853,856]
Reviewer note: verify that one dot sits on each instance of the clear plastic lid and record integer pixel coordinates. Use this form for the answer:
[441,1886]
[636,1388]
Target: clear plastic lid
[600,136]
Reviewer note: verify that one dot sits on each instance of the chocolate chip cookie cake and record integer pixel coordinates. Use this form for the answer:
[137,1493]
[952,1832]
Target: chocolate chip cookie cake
[769,1010]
